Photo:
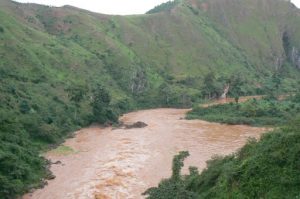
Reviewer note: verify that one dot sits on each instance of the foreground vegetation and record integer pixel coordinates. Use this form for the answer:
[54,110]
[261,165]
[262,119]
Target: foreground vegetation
[25,131]
[268,168]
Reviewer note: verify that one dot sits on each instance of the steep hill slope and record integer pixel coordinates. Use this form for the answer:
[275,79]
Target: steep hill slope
[53,59]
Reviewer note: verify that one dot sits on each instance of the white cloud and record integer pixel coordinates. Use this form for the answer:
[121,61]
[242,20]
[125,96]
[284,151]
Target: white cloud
[296,2]
[122,7]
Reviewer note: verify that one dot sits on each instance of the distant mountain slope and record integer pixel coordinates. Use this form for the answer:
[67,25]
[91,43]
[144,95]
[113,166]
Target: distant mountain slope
[174,57]
[164,7]
[259,28]
[188,41]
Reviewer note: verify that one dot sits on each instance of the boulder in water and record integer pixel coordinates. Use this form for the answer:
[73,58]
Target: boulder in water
[138,124]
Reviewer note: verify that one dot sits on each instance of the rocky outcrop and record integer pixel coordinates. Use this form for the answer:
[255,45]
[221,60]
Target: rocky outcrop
[135,125]
[295,57]
[138,124]
[138,82]
[225,92]
[292,53]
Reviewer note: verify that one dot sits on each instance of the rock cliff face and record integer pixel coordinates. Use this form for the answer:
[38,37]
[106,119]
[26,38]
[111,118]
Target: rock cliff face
[295,57]
[292,53]
[225,92]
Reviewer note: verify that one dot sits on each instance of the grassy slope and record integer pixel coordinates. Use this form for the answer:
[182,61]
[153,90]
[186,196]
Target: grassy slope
[143,60]
[264,112]
[256,34]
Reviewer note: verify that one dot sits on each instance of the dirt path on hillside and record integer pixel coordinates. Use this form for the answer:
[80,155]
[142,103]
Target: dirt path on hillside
[123,163]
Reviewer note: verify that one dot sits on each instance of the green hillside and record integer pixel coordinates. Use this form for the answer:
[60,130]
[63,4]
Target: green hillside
[64,68]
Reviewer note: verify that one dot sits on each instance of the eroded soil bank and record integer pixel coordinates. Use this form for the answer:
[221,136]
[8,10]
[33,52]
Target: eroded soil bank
[122,163]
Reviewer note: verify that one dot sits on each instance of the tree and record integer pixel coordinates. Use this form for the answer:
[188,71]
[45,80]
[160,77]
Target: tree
[164,7]
[165,93]
[210,88]
[175,187]
[273,85]
[276,81]
[24,107]
[76,93]
[178,164]
[101,106]
[236,83]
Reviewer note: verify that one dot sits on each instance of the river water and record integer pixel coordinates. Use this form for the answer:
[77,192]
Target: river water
[122,163]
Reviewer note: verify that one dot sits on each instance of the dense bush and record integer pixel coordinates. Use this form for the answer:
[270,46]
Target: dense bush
[267,111]
[269,168]
[31,122]
[176,186]
[21,167]
[102,112]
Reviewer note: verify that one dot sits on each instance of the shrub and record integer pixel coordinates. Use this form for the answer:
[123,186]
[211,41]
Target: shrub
[253,112]
[102,111]
[268,168]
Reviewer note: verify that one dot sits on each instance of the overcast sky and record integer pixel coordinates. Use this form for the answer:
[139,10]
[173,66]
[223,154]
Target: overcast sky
[121,7]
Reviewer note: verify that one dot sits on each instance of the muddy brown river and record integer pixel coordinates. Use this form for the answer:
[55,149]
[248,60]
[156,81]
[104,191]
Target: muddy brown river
[106,163]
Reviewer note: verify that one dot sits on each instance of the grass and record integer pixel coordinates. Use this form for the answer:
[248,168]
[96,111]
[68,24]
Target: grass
[264,112]
[63,150]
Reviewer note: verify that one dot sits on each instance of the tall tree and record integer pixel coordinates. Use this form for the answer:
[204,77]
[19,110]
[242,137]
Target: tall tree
[210,89]
[102,111]
[76,93]
[236,82]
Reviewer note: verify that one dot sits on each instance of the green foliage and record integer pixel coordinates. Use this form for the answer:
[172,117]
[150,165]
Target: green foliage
[268,111]
[164,7]
[178,164]
[175,187]
[101,106]
[175,96]
[236,83]
[268,168]
[24,107]
[211,88]
[272,86]
[1,29]
[21,167]
[76,94]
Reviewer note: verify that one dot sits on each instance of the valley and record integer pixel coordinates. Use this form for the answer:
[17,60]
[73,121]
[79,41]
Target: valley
[63,69]
[123,163]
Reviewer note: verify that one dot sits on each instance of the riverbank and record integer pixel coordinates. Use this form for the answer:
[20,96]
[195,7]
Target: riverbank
[123,163]
[254,111]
